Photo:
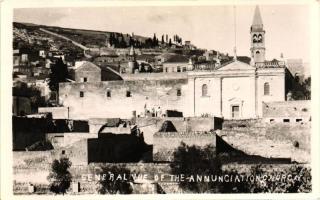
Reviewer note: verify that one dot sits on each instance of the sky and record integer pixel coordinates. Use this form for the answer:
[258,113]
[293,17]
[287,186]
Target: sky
[211,27]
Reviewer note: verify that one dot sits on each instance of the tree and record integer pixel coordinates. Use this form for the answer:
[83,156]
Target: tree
[131,42]
[306,84]
[33,93]
[162,39]
[59,73]
[154,40]
[148,43]
[301,90]
[193,161]
[37,101]
[123,43]
[59,176]
[170,42]
[111,39]
[117,180]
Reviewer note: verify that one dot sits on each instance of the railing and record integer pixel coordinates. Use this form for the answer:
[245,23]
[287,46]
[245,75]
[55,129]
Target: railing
[270,64]
[204,67]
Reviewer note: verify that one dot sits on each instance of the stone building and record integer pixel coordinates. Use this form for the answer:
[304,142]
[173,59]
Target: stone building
[287,112]
[177,64]
[233,90]
[87,72]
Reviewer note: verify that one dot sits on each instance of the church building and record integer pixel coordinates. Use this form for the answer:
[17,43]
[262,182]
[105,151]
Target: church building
[235,90]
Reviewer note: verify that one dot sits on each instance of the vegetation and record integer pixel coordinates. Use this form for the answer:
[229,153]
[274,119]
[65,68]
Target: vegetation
[92,38]
[193,161]
[112,184]
[33,93]
[59,176]
[301,90]
[303,184]
[59,73]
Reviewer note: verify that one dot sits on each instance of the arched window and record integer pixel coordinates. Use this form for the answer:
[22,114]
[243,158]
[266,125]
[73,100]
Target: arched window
[259,38]
[108,93]
[179,92]
[255,38]
[178,69]
[266,89]
[204,90]
[257,52]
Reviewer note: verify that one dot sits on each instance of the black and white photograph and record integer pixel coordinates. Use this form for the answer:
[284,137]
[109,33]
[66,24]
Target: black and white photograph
[160,99]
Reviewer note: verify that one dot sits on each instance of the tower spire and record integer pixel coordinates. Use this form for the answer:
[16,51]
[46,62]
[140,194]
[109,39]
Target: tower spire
[257,38]
[257,20]
[235,34]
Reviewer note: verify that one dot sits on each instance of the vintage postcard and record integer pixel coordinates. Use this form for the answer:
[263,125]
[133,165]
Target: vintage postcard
[191,98]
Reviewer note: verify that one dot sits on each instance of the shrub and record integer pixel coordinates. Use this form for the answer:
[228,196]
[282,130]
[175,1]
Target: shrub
[193,161]
[270,185]
[111,185]
[60,177]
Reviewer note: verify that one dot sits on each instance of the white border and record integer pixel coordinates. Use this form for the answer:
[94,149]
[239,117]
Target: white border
[6,11]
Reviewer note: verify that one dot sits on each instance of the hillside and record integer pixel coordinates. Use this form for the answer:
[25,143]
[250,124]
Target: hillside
[30,40]
[90,38]
[72,42]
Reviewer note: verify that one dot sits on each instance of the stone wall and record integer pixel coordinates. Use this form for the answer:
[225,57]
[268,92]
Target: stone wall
[256,122]
[144,95]
[31,166]
[287,111]
[271,141]
[37,175]
[116,148]
[57,112]
[77,152]
[149,126]
[111,125]
[165,143]
[67,139]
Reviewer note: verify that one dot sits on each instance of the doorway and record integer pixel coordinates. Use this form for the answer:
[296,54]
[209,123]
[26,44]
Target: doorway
[235,111]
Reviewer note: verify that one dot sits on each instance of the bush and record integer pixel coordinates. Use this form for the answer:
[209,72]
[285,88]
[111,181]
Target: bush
[193,161]
[270,185]
[113,185]
[60,177]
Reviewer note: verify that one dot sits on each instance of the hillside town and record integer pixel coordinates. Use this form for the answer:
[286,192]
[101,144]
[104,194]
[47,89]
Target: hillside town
[125,103]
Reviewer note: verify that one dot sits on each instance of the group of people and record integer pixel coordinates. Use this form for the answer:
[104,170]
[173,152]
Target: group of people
[152,112]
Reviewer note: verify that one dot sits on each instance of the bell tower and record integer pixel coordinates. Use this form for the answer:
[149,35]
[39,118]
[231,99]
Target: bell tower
[257,34]
[131,60]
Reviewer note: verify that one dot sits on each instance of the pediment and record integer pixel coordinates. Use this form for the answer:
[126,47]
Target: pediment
[88,66]
[237,65]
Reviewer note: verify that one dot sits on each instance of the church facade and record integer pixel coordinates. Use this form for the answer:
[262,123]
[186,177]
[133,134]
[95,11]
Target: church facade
[235,90]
